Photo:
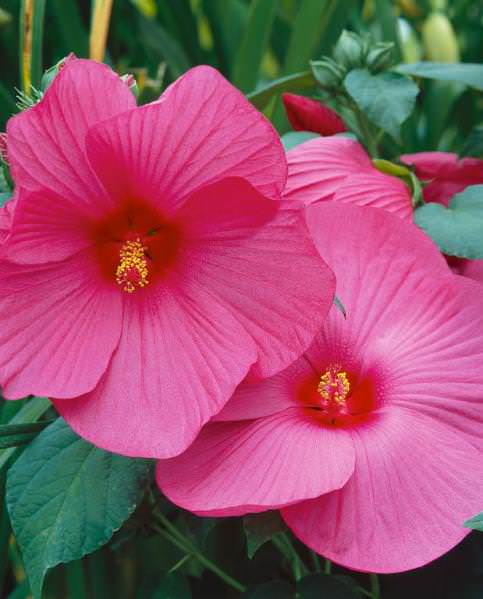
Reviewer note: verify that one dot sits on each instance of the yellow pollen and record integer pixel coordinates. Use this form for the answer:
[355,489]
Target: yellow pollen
[132,270]
[334,385]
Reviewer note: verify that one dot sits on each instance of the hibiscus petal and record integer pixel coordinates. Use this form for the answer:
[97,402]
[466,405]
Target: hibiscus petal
[240,467]
[201,130]
[438,357]
[318,167]
[415,482]
[256,399]
[46,142]
[59,326]
[179,359]
[447,175]
[270,277]
[378,191]
[47,227]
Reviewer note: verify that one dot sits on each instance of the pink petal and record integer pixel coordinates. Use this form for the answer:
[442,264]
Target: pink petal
[46,142]
[6,218]
[270,277]
[438,358]
[305,114]
[257,399]
[179,359]
[200,131]
[240,467]
[59,327]
[318,167]
[47,227]
[415,482]
[378,191]
[446,174]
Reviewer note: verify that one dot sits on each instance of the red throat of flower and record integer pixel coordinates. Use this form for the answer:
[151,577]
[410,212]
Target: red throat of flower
[338,397]
[136,246]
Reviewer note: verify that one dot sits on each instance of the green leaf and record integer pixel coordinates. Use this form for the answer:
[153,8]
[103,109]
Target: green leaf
[475,523]
[249,56]
[276,589]
[260,528]
[295,138]
[320,585]
[458,229]
[31,411]
[387,99]
[66,498]
[467,73]
[261,97]
[13,435]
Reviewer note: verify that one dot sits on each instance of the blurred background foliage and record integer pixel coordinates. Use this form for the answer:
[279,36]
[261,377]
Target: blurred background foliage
[263,47]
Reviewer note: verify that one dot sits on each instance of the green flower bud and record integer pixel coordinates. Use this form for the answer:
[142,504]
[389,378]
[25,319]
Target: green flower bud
[379,57]
[439,39]
[327,73]
[350,50]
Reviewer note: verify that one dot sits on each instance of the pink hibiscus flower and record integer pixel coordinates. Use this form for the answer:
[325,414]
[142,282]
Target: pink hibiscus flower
[370,443]
[338,169]
[447,175]
[305,114]
[148,267]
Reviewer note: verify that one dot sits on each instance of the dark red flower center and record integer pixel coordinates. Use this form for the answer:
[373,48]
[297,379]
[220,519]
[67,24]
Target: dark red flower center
[136,245]
[338,397]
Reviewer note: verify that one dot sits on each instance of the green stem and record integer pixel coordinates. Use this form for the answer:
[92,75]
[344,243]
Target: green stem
[327,566]
[315,561]
[171,533]
[283,543]
[375,586]
[181,562]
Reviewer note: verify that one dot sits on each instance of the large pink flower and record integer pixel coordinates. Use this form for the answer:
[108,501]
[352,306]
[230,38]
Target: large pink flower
[148,267]
[446,174]
[338,169]
[371,442]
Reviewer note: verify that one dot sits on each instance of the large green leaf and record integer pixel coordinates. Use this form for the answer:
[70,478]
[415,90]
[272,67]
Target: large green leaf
[458,229]
[387,99]
[260,528]
[320,585]
[250,54]
[468,73]
[66,498]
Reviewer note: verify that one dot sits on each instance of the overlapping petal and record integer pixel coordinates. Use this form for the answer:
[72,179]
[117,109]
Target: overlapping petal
[338,169]
[59,327]
[46,144]
[445,173]
[239,467]
[179,359]
[270,277]
[199,132]
[413,486]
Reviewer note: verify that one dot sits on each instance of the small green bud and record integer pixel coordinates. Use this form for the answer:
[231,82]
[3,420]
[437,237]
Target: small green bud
[50,74]
[350,50]
[379,57]
[327,73]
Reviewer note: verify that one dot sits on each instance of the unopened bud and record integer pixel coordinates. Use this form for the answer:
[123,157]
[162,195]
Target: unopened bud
[327,73]
[379,57]
[439,39]
[350,50]
[50,74]
[306,114]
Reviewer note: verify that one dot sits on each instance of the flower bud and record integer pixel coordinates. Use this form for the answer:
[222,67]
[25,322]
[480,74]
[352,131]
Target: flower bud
[349,50]
[50,74]
[327,73]
[305,114]
[379,57]
[439,39]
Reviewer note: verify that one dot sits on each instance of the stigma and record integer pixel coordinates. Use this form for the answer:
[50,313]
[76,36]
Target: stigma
[333,388]
[132,270]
